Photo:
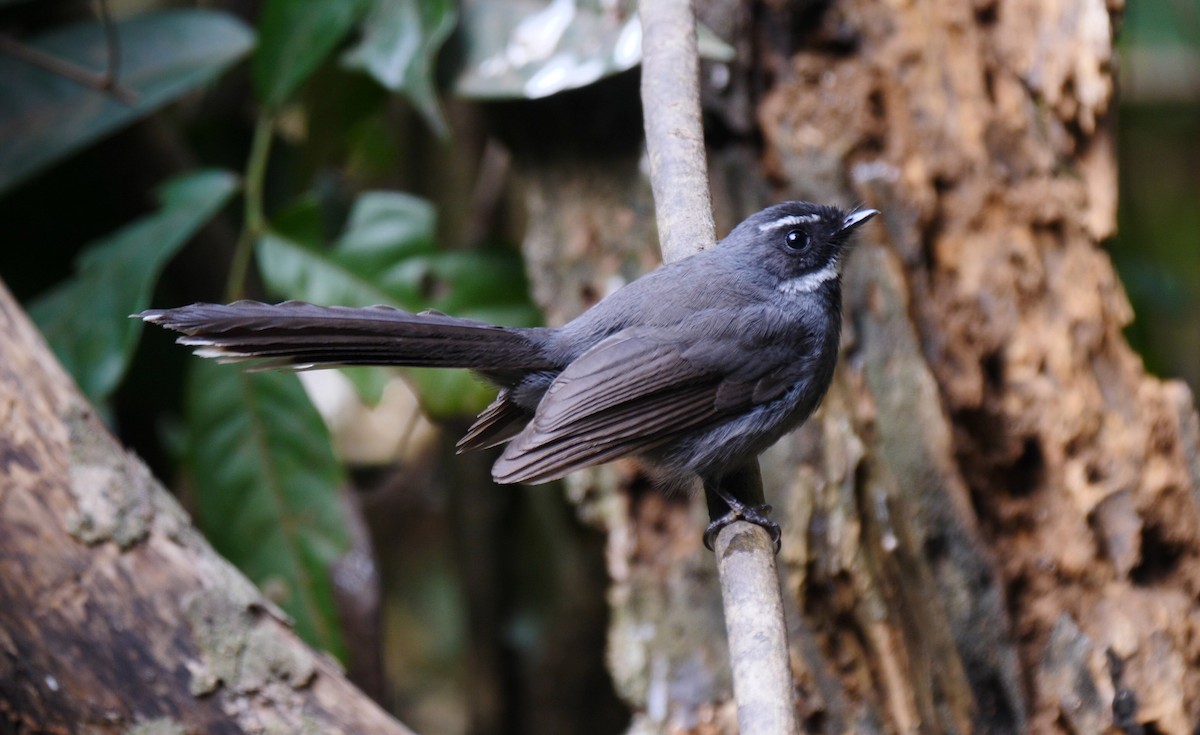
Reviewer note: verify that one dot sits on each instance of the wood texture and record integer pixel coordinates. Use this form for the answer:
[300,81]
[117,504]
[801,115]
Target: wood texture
[750,594]
[674,131]
[1019,478]
[754,621]
[992,525]
[115,615]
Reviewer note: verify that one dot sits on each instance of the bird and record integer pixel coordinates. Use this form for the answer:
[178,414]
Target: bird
[696,367]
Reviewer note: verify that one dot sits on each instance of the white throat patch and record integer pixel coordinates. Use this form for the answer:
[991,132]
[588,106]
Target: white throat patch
[809,282]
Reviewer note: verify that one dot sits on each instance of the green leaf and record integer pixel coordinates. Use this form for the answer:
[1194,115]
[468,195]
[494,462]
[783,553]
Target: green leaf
[389,224]
[450,393]
[488,285]
[400,42]
[266,486]
[45,117]
[369,382]
[86,318]
[383,257]
[295,37]
[387,255]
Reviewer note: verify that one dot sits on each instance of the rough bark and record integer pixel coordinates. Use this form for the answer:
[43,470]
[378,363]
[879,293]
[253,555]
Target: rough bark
[1034,479]
[992,525]
[115,615]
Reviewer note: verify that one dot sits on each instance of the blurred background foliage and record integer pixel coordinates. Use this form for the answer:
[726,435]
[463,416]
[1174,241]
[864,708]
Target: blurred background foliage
[1157,247]
[337,151]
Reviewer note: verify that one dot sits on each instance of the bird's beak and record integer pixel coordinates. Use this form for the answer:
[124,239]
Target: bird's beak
[854,219]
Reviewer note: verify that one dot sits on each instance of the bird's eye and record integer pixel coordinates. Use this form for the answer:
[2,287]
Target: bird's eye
[796,240]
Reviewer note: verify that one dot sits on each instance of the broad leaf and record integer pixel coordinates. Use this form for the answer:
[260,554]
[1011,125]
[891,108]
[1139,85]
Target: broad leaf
[165,54]
[295,37]
[381,259]
[513,49]
[369,382]
[86,318]
[266,487]
[400,41]
[387,255]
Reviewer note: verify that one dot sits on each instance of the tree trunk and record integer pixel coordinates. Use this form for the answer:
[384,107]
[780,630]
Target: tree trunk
[115,615]
[992,524]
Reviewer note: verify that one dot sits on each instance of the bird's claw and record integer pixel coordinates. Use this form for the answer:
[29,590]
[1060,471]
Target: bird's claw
[756,514]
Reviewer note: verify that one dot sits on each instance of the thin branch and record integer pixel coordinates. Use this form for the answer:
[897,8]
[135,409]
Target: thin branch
[754,622]
[674,132]
[68,70]
[112,44]
[254,222]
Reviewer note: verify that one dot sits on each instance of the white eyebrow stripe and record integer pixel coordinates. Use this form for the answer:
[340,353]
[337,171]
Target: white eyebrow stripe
[809,282]
[793,219]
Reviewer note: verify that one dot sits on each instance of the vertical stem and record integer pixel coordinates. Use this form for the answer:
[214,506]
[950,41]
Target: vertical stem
[753,605]
[254,220]
[674,132]
[112,42]
[754,622]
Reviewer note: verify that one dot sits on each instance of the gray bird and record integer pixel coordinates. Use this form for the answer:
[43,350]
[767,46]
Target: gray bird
[697,367]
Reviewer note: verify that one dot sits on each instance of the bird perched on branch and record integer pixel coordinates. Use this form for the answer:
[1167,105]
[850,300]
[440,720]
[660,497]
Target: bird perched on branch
[697,366]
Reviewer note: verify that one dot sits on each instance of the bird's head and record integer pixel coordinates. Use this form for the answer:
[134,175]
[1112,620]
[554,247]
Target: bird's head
[799,243]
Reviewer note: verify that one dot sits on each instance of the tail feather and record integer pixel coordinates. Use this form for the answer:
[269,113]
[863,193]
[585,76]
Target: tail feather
[305,335]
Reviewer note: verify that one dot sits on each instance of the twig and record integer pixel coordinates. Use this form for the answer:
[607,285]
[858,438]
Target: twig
[112,43]
[754,623]
[674,133]
[762,675]
[66,69]
[254,223]
[106,82]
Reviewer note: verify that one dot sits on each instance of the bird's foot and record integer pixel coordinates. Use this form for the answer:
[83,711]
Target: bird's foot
[738,511]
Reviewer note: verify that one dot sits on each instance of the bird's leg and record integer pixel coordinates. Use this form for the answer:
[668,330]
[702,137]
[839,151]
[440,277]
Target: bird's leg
[725,502]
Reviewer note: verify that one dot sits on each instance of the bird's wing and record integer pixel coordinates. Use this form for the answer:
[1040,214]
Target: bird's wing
[640,389]
[498,423]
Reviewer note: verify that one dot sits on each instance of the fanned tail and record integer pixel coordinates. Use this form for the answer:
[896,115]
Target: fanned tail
[300,335]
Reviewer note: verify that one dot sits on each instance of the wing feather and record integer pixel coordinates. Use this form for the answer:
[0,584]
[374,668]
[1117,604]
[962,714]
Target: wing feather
[540,457]
[630,394]
[620,369]
[641,389]
[498,423]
